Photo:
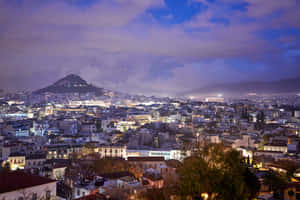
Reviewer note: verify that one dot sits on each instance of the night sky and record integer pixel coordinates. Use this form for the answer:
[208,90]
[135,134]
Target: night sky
[148,46]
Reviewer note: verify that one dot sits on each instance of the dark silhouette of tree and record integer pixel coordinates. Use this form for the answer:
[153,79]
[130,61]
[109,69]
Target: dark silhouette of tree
[252,183]
[276,182]
[291,167]
[154,194]
[219,173]
[291,193]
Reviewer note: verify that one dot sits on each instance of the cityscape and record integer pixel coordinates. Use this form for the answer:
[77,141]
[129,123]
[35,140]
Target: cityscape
[149,100]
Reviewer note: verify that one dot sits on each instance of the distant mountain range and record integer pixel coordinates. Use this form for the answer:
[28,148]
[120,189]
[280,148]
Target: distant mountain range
[272,87]
[70,84]
[75,84]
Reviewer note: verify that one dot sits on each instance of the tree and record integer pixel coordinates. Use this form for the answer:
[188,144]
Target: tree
[252,183]
[109,165]
[275,181]
[159,194]
[219,173]
[6,167]
[156,194]
[291,167]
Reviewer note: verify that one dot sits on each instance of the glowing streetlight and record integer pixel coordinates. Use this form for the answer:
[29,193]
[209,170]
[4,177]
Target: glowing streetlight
[204,196]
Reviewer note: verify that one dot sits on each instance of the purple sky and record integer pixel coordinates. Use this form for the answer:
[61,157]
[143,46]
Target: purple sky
[148,46]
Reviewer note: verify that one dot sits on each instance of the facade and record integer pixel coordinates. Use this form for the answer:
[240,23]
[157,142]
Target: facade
[244,141]
[35,161]
[8,149]
[17,162]
[62,151]
[147,162]
[166,153]
[275,147]
[58,172]
[88,128]
[111,151]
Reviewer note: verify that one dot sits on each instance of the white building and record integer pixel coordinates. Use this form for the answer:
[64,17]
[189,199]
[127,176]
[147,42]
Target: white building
[244,141]
[166,153]
[111,151]
[214,99]
[275,147]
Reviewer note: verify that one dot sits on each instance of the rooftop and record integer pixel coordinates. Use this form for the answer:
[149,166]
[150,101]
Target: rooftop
[117,175]
[92,197]
[11,181]
[145,159]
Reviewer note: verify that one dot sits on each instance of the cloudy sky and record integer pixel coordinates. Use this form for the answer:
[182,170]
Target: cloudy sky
[148,46]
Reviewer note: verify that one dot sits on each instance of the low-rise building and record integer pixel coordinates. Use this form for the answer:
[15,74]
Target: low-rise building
[275,147]
[147,162]
[113,151]
[23,186]
[35,161]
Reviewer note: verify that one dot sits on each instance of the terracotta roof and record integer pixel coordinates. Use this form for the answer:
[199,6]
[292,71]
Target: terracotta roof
[11,181]
[145,159]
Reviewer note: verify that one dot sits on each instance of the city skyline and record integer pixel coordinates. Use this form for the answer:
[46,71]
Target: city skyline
[149,99]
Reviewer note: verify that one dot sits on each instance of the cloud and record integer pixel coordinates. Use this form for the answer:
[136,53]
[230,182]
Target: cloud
[119,45]
[257,8]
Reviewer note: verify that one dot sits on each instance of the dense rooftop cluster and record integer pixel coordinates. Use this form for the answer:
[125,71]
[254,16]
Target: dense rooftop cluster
[120,146]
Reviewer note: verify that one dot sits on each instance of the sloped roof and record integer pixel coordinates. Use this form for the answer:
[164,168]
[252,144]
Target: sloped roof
[11,181]
[116,175]
[145,159]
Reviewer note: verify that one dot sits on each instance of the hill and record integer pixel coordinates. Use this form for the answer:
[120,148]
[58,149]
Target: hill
[70,84]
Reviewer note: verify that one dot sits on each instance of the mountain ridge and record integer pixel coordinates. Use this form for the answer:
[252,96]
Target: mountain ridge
[266,87]
[71,83]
